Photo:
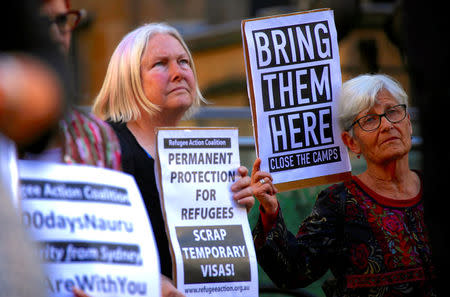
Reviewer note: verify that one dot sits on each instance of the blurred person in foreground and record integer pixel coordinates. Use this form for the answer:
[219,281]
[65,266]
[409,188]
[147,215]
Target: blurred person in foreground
[82,138]
[151,82]
[32,98]
[369,231]
[32,76]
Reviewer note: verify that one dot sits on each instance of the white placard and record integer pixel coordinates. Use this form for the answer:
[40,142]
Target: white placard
[293,79]
[9,178]
[209,233]
[91,228]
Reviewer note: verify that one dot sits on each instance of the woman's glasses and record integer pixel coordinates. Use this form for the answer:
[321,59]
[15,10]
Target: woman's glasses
[372,122]
[65,22]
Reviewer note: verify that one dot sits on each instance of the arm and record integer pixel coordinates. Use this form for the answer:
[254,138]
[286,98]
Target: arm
[295,261]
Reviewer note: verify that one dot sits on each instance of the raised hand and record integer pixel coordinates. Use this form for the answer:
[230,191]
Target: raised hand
[263,188]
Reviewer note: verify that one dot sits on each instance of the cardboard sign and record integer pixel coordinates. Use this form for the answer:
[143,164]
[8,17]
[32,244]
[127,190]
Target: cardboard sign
[211,242]
[91,228]
[293,79]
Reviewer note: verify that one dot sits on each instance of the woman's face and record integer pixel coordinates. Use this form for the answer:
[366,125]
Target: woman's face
[52,9]
[167,77]
[391,141]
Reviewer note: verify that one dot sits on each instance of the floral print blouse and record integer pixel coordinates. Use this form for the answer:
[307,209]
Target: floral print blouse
[373,245]
[90,141]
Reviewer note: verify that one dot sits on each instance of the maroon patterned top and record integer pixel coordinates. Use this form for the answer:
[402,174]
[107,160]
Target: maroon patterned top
[373,245]
[89,141]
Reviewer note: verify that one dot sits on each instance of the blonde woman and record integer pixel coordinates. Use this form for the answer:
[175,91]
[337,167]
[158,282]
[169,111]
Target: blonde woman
[151,82]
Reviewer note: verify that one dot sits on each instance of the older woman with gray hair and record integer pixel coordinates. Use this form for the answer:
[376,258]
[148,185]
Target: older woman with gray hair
[151,82]
[369,230]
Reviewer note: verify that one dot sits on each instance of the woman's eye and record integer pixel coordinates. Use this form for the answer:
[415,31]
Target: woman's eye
[392,112]
[369,119]
[184,62]
[158,63]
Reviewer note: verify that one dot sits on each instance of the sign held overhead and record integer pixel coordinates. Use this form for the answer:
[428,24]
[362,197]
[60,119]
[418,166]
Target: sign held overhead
[293,79]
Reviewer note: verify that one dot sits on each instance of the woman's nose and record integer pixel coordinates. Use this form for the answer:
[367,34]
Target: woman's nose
[61,38]
[385,123]
[176,72]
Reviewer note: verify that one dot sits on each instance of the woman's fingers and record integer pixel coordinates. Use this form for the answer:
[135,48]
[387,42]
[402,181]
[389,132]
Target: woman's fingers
[259,185]
[247,202]
[79,293]
[242,171]
[265,191]
[242,190]
[256,168]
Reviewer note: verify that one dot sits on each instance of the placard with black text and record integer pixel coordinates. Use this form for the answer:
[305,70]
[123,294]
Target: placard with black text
[209,233]
[91,229]
[294,77]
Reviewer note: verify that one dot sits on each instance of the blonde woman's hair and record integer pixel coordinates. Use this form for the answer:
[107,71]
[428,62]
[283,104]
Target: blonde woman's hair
[122,97]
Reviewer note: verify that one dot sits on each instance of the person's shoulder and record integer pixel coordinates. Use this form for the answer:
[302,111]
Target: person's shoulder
[88,121]
[128,143]
[88,117]
[120,128]
[336,193]
[95,142]
[337,188]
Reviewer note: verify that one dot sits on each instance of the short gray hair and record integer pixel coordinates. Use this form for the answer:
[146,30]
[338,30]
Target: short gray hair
[360,93]
[122,97]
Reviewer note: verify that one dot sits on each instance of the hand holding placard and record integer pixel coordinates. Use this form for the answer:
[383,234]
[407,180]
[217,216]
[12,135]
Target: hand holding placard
[242,192]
